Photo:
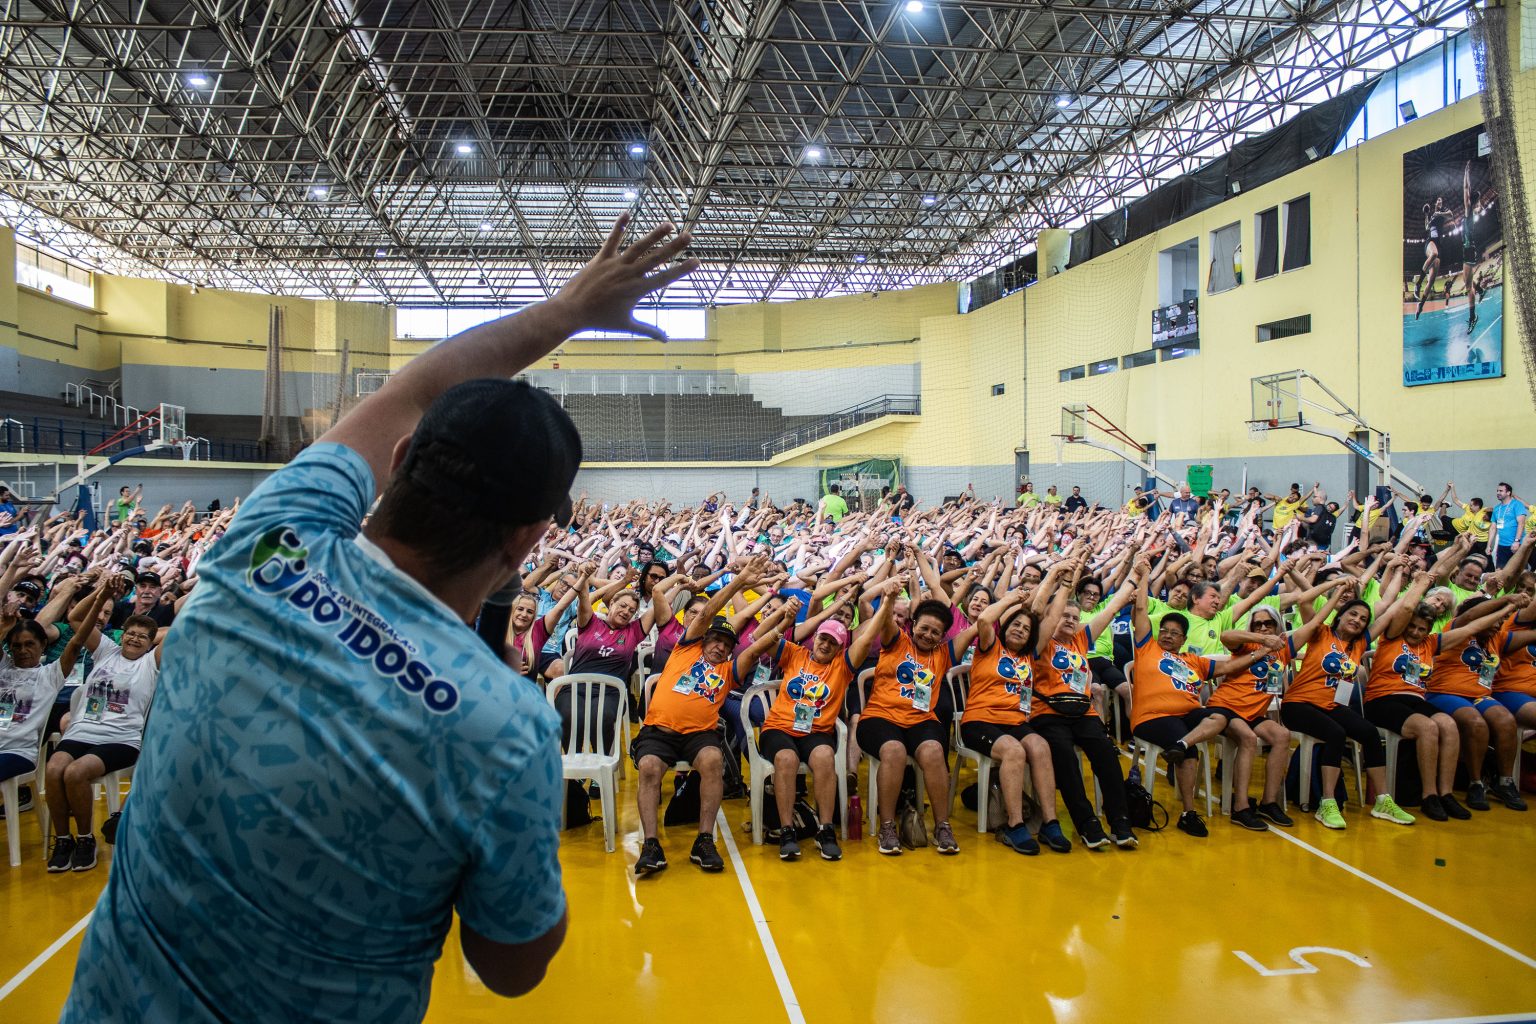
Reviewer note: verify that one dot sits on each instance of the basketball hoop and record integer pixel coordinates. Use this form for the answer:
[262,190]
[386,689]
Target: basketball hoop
[1258,430]
[1061,446]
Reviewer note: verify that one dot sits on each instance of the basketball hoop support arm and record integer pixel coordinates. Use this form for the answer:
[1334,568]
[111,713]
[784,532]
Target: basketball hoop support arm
[1380,459]
[85,472]
[1147,468]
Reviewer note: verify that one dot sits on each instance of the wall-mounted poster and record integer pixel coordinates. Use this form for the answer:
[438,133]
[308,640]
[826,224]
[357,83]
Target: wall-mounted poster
[1453,263]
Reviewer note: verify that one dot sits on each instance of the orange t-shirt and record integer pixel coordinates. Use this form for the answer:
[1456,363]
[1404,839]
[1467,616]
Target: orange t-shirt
[1063,670]
[1166,683]
[690,692]
[1327,662]
[897,674]
[808,681]
[1002,686]
[1249,692]
[1466,670]
[1517,665]
[1401,667]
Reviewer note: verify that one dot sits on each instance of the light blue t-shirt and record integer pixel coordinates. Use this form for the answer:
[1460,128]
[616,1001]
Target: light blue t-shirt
[334,763]
[1503,516]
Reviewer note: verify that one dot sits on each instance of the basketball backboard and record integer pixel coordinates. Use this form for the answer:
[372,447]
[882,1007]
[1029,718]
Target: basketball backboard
[1277,399]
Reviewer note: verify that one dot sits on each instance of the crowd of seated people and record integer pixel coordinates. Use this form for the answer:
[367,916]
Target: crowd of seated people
[1030,631]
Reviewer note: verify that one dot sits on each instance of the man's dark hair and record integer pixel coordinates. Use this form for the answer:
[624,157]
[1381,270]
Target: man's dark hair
[832,488]
[1507,486]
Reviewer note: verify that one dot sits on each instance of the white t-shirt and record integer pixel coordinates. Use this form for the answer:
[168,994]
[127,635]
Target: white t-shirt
[26,697]
[117,696]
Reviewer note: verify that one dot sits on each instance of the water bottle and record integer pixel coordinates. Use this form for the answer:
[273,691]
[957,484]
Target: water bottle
[855,817]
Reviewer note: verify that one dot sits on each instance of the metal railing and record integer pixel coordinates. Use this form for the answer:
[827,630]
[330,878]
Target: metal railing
[847,419]
[82,396]
[46,435]
[564,383]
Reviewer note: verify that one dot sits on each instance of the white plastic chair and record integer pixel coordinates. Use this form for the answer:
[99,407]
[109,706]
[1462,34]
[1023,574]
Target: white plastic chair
[760,769]
[959,682]
[10,794]
[866,678]
[585,756]
[568,644]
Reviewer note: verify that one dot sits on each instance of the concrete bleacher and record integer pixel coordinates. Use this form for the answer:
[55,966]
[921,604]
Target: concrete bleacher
[719,427]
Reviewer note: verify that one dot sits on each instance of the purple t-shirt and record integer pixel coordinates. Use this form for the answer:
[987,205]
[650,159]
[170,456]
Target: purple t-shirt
[668,637]
[605,650]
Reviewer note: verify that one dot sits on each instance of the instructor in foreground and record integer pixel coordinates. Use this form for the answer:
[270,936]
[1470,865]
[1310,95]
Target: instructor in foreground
[334,762]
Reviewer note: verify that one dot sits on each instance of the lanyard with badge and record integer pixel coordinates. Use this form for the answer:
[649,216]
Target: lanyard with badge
[1077,681]
[687,682]
[96,702]
[805,717]
[922,689]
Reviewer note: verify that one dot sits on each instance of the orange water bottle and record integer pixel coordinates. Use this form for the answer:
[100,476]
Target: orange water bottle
[855,817]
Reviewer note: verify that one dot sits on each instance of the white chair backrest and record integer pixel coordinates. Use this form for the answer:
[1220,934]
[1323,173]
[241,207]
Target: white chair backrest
[762,694]
[568,644]
[646,689]
[865,681]
[958,679]
[584,733]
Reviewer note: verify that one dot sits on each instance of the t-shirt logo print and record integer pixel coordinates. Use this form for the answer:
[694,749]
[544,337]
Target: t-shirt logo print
[1178,673]
[1484,663]
[707,683]
[279,560]
[1409,669]
[909,674]
[1337,665]
[1009,670]
[807,688]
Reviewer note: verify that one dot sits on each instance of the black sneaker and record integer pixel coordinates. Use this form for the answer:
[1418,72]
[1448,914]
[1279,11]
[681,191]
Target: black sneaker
[704,855]
[889,840]
[1175,755]
[652,858]
[1510,794]
[1192,824]
[826,842]
[1123,835]
[1477,796]
[1052,836]
[1453,807]
[63,853]
[1432,808]
[1275,814]
[789,848]
[1249,819]
[109,828]
[1093,835]
[23,801]
[85,854]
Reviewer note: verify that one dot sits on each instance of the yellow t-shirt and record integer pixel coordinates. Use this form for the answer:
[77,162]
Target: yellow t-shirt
[1285,511]
[1133,509]
[1475,524]
[1029,499]
[1052,499]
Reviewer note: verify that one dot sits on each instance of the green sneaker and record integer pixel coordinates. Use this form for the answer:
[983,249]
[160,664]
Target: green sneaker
[1387,809]
[1328,814]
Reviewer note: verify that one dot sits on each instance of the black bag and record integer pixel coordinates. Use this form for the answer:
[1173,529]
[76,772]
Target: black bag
[1144,812]
[683,808]
[1069,705]
[578,804]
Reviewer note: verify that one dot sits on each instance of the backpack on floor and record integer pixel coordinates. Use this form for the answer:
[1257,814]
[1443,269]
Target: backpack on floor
[578,804]
[1144,812]
[909,822]
[683,808]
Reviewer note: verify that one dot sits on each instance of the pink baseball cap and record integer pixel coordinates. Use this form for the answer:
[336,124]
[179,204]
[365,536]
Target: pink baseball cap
[834,629]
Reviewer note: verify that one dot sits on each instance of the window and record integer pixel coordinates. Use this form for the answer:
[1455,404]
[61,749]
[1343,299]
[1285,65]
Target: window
[1178,273]
[1072,373]
[1179,352]
[1138,359]
[1103,366]
[997,389]
[1443,73]
[1287,328]
[1266,240]
[1226,259]
[1298,233]
[446,321]
[37,269]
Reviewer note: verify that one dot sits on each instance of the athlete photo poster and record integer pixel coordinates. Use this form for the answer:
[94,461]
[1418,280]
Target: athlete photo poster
[1453,263]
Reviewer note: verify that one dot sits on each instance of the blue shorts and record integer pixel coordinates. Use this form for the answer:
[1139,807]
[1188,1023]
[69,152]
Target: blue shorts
[1513,702]
[1450,703]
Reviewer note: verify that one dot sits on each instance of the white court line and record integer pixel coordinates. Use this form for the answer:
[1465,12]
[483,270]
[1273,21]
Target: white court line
[1502,1018]
[1384,887]
[44,956]
[770,950]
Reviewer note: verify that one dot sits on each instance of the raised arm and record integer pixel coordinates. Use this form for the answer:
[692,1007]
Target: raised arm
[1461,633]
[601,296]
[1390,624]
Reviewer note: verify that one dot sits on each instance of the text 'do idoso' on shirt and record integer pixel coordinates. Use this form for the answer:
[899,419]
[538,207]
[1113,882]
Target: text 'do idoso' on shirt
[333,762]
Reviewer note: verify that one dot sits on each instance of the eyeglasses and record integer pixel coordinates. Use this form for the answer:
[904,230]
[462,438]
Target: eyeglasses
[137,636]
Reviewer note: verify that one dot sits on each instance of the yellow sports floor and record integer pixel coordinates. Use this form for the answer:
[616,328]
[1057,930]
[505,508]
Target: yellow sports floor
[1379,923]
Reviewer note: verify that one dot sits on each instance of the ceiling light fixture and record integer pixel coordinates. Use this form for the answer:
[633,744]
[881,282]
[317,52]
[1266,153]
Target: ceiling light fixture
[636,149]
[929,200]
[914,6]
[465,148]
[813,153]
[486,225]
[1063,101]
[319,191]
[198,80]
[630,195]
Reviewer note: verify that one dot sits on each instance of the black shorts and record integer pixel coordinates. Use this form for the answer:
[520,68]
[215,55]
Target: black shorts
[980,736]
[116,756]
[1165,732]
[1393,711]
[670,746]
[874,733]
[544,660]
[771,741]
[1232,716]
